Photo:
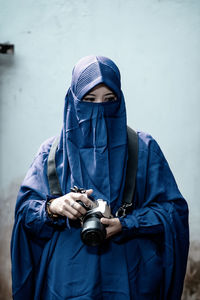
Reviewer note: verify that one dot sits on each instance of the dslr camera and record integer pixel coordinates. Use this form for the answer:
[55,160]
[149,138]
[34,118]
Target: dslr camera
[93,231]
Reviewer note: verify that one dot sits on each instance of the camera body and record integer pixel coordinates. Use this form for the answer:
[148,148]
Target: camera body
[93,231]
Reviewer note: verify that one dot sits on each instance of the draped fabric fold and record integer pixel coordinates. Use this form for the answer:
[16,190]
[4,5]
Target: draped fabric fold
[96,145]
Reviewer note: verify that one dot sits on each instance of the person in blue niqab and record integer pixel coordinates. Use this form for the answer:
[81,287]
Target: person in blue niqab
[144,254]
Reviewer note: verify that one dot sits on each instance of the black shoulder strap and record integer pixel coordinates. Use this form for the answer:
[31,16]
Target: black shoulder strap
[131,171]
[131,166]
[54,184]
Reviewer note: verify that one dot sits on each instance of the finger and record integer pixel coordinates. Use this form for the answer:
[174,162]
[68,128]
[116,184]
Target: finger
[107,221]
[108,232]
[67,214]
[66,208]
[89,192]
[83,198]
[72,203]
[69,206]
[73,210]
[79,208]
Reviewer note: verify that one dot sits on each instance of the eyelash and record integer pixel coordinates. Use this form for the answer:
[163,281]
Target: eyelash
[109,99]
[89,99]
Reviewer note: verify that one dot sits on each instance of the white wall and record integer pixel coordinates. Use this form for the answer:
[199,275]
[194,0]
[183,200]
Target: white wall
[156,45]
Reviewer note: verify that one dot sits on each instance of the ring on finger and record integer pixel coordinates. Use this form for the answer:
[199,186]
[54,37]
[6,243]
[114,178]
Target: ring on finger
[72,203]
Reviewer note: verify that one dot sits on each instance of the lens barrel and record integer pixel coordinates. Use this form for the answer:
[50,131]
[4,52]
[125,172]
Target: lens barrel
[93,232]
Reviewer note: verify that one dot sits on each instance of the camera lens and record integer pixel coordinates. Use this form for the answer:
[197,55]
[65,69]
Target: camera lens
[93,232]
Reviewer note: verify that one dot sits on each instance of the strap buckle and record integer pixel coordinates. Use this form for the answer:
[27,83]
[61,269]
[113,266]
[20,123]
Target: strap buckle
[123,210]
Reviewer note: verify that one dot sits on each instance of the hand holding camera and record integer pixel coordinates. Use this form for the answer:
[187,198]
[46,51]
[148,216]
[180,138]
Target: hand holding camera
[68,206]
[113,226]
[95,215]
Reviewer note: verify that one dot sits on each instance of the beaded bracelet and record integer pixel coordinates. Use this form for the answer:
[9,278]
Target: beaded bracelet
[50,214]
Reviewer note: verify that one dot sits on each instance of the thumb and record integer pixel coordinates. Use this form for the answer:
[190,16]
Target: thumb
[89,192]
[106,221]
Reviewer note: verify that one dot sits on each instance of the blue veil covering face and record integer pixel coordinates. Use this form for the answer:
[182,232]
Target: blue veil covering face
[95,134]
[147,260]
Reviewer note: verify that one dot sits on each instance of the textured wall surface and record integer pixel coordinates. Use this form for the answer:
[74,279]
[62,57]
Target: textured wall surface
[156,45]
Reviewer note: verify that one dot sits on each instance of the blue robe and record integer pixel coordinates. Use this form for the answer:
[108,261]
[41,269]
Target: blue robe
[147,260]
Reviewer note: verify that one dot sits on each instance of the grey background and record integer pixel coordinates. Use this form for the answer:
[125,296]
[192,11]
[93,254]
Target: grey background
[156,45]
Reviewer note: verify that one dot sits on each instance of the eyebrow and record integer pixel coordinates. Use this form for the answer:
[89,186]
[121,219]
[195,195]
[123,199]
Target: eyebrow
[109,94]
[104,95]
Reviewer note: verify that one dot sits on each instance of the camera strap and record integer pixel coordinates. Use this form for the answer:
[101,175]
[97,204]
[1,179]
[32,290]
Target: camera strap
[131,171]
[128,195]
[54,184]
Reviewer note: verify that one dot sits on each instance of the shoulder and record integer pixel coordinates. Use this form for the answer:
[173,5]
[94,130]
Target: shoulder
[46,146]
[148,144]
[145,140]
[43,152]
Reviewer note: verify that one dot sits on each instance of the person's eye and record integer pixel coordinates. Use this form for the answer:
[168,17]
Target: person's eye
[89,99]
[110,99]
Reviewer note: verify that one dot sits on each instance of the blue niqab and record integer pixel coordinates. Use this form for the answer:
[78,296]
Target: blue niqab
[95,134]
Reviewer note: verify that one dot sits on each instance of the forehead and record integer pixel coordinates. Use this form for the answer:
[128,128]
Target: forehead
[100,88]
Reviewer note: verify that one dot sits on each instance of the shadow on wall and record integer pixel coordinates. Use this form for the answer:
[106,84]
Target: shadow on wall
[192,278]
[7,204]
